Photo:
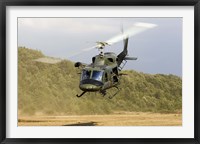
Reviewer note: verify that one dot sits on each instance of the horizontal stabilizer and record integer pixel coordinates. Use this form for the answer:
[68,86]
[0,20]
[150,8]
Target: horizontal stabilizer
[121,74]
[130,58]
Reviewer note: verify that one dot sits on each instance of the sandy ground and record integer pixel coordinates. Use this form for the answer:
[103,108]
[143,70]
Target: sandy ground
[125,119]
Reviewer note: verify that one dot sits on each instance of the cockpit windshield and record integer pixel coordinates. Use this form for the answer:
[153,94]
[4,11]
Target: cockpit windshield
[97,75]
[86,74]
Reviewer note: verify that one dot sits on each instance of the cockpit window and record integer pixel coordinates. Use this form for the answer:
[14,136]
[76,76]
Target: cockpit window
[86,74]
[97,75]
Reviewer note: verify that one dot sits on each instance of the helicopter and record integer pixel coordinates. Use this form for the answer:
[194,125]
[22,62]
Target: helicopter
[105,70]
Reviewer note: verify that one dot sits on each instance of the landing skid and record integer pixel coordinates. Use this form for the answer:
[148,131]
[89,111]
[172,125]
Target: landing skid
[103,92]
[110,97]
[81,94]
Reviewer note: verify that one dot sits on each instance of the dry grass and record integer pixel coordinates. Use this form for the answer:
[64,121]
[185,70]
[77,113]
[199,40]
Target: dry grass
[118,119]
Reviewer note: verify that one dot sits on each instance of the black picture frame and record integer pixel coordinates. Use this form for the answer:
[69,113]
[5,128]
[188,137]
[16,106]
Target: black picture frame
[5,3]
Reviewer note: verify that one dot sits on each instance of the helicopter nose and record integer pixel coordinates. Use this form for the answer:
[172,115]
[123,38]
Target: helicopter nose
[89,87]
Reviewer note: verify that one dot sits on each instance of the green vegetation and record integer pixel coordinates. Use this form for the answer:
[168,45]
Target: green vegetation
[48,89]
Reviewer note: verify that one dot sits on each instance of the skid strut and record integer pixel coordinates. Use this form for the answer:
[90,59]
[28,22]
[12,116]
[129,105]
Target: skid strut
[81,94]
[110,97]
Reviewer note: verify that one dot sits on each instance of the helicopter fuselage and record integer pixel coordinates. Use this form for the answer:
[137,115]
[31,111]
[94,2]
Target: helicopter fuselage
[101,74]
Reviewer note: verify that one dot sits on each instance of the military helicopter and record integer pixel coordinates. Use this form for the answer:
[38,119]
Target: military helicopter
[104,71]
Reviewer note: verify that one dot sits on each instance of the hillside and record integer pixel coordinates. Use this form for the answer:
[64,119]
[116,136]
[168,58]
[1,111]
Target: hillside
[46,89]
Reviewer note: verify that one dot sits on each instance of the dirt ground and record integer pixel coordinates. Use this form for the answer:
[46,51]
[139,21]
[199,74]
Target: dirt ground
[118,119]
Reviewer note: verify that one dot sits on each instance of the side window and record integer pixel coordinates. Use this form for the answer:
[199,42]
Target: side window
[86,74]
[106,76]
[93,59]
[115,70]
[115,79]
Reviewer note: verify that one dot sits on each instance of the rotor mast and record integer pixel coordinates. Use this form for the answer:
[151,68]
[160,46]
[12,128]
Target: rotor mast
[100,46]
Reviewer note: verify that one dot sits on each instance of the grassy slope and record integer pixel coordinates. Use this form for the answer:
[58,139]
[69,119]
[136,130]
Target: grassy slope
[51,90]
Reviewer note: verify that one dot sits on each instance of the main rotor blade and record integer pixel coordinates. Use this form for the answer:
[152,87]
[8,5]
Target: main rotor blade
[88,49]
[135,29]
[80,52]
[48,60]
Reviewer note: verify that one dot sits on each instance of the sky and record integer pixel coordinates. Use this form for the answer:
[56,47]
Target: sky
[159,50]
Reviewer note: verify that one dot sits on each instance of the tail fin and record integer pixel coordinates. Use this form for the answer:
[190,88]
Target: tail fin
[123,54]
